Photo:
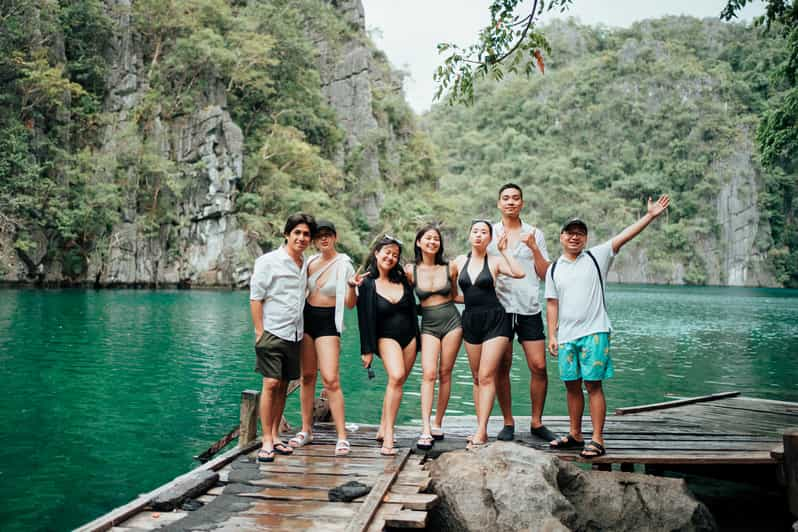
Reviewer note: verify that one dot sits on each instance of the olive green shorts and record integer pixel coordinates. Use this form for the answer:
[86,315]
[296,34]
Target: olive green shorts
[276,358]
[439,320]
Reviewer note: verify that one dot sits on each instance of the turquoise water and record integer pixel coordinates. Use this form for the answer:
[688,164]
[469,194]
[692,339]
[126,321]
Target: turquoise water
[108,394]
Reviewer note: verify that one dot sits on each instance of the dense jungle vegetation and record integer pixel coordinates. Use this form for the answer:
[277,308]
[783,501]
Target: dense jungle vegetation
[663,106]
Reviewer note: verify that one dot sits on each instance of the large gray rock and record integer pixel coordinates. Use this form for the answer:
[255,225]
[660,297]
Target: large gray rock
[506,487]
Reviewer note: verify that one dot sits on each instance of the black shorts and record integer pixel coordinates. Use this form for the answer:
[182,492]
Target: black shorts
[320,321]
[527,328]
[276,358]
[480,325]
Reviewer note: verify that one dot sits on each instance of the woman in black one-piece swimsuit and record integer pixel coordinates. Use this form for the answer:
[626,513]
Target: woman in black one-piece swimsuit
[386,313]
[486,329]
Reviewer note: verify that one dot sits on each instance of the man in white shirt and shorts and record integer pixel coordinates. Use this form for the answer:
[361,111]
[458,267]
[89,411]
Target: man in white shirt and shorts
[579,327]
[277,300]
[520,299]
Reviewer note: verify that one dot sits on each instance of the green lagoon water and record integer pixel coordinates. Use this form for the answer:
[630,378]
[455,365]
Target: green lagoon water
[108,394]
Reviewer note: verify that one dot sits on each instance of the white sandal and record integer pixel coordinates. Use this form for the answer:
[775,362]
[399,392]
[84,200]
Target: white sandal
[300,440]
[342,448]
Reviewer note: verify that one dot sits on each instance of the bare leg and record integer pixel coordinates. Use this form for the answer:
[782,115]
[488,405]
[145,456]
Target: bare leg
[266,408]
[598,409]
[307,392]
[278,408]
[503,393]
[492,352]
[328,349]
[430,347]
[474,352]
[535,352]
[576,405]
[449,348]
[395,361]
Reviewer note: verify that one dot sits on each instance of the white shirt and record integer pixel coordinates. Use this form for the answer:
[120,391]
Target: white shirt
[519,296]
[577,287]
[281,285]
[343,272]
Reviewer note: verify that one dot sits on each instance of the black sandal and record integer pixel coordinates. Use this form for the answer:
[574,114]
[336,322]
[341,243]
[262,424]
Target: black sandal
[567,442]
[593,450]
[281,448]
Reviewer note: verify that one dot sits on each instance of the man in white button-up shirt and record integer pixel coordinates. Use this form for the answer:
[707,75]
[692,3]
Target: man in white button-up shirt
[277,299]
[520,299]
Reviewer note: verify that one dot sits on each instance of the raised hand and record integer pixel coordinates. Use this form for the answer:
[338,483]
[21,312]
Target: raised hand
[358,278]
[501,245]
[655,208]
[529,239]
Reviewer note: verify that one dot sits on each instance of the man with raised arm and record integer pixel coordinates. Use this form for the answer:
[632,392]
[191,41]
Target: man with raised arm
[579,327]
[277,300]
[520,299]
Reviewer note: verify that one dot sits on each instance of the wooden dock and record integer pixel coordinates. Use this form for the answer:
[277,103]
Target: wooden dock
[722,431]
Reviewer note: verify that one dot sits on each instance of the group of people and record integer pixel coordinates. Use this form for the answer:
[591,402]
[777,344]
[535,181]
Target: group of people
[297,307]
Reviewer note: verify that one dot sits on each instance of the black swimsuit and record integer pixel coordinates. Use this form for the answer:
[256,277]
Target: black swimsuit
[484,316]
[397,320]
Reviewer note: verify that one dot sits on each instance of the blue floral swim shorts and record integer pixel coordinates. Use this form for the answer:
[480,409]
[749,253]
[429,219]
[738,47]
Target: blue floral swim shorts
[586,358]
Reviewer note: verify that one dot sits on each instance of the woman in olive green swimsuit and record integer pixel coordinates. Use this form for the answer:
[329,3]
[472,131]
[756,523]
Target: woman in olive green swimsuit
[441,332]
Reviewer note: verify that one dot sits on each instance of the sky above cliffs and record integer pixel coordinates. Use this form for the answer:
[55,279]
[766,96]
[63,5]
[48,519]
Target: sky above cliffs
[409,31]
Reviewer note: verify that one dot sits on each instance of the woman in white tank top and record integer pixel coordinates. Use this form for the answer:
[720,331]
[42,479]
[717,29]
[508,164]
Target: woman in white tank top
[328,293]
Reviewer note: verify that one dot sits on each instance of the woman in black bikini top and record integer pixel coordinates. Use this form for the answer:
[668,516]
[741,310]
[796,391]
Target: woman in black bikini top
[386,315]
[486,328]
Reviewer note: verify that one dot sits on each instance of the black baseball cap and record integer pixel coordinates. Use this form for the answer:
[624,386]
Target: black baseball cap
[574,222]
[325,224]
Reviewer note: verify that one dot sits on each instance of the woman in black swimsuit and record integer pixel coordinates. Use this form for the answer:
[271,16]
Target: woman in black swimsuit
[386,314]
[486,328]
[441,332]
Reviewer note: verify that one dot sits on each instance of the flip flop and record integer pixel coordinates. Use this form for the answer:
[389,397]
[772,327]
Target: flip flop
[265,455]
[281,448]
[300,440]
[543,433]
[342,448]
[507,433]
[593,450]
[475,445]
[388,451]
[567,442]
[425,442]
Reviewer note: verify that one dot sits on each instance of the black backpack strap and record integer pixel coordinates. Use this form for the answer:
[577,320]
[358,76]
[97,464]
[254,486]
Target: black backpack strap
[601,280]
[553,266]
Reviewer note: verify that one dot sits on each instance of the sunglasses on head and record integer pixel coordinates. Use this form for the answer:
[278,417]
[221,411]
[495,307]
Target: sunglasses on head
[481,221]
[389,238]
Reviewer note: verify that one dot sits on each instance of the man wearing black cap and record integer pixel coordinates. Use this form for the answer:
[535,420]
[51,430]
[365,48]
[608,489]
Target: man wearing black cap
[579,327]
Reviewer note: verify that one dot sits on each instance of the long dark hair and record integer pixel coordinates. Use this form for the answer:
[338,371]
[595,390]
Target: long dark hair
[417,250]
[397,273]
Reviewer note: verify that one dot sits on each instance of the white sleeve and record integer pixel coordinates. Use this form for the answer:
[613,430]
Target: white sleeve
[604,256]
[551,288]
[260,281]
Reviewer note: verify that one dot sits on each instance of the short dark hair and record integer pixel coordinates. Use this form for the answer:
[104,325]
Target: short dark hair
[511,185]
[300,218]
[417,250]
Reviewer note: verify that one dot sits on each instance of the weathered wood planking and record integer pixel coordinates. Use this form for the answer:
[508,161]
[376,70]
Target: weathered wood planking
[373,500]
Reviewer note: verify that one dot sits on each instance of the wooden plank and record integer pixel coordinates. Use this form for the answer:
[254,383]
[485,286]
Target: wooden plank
[309,509]
[378,491]
[674,458]
[413,501]
[406,519]
[378,523]
[335,470]
[673,404]
[124,512]
[791,468]
[405,488]
[153,520]
[281,522]
[291,494]
[248,417]
[301,481]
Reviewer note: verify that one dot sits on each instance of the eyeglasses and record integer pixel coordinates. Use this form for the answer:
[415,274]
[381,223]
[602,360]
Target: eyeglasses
[390,238]
[575,233]
[481,220]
